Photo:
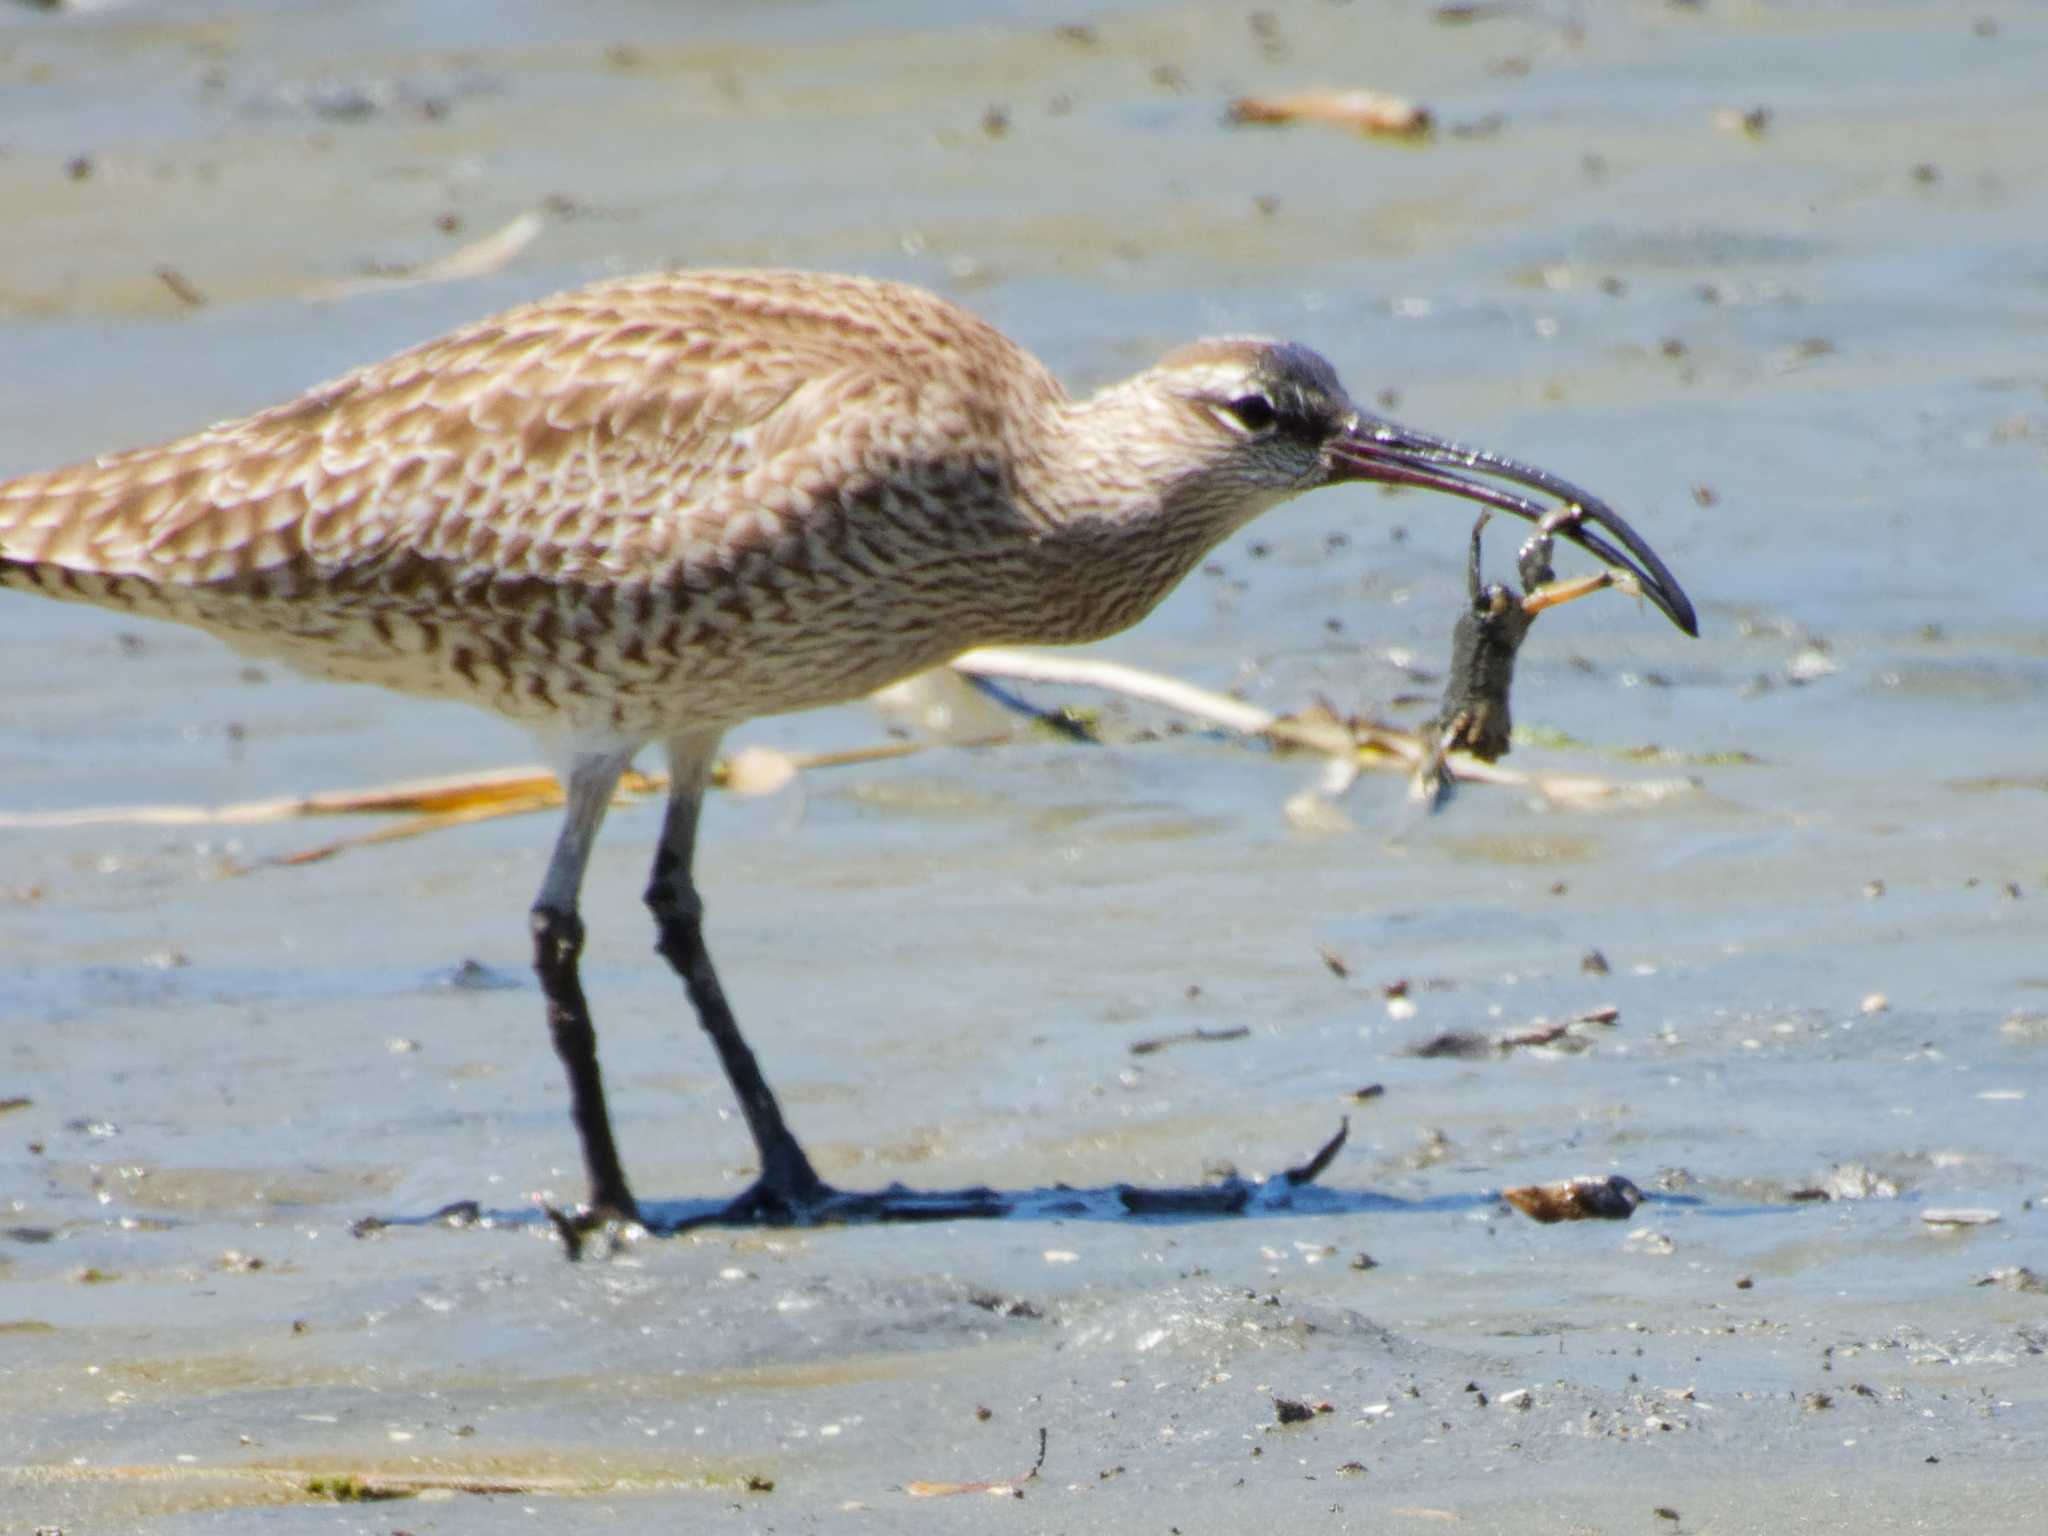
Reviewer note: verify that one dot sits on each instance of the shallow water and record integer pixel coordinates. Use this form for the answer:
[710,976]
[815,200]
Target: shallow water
[945,960]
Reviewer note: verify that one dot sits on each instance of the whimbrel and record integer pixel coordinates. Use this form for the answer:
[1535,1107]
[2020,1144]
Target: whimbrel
[651,509]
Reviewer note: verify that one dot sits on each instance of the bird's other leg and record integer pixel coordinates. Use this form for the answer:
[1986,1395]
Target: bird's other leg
[557,946]
[788,1189]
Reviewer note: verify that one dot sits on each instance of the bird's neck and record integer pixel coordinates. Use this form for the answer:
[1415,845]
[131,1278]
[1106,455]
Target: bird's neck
[1119,522]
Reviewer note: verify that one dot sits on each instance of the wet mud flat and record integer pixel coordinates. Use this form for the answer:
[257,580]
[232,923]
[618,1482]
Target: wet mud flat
[1798,350]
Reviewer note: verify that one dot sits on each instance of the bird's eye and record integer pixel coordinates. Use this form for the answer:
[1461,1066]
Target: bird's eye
[1254,413]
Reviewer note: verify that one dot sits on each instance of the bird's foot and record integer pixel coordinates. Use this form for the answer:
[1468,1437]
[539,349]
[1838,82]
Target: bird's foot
[616,1220]
[780,1203]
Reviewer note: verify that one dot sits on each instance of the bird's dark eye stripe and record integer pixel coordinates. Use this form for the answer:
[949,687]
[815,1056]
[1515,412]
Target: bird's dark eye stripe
[1254,411]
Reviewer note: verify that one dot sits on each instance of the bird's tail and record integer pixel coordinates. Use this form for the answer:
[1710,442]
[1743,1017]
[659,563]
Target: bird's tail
[98,532]
[46,544]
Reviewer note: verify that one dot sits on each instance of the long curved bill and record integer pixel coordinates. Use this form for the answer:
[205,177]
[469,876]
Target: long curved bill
[1376,449]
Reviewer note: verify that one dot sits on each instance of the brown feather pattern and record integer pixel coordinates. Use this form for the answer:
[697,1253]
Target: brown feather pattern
[661,503]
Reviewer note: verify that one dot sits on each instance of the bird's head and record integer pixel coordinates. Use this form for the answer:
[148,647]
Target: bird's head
[1232,426]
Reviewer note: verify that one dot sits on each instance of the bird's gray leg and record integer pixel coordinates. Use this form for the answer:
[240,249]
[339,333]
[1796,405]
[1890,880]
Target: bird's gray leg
[557,945]
[789,1189]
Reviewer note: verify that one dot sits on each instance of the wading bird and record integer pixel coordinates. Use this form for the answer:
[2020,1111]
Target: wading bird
[651,509]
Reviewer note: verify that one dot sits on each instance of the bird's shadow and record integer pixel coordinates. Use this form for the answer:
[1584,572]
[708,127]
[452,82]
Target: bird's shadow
[1293,1191]
[1061,1202]
[899,1204]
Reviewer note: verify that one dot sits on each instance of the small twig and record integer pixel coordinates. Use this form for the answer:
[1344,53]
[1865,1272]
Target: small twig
[480,258]
[1114,677]
[398,832]
[1188,1037]
[1012,1486]
[1362,743]
[1234,1195]
[412,796]
[1309,1171]
[181,287]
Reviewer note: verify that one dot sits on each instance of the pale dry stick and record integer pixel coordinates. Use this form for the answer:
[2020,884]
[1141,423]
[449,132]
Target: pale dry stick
[425,797]
[421,824]
[456,800]
[514,788]
[653,508]
[1372,112]
[1356,743]
[453,800]
[480,258]
[1007,1487]
[368,1480]
[492,791]
[770,770]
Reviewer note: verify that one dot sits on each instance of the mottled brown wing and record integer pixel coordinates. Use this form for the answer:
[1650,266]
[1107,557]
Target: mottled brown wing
[618,429]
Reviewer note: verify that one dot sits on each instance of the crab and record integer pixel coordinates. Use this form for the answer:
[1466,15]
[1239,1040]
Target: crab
[1474,715]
